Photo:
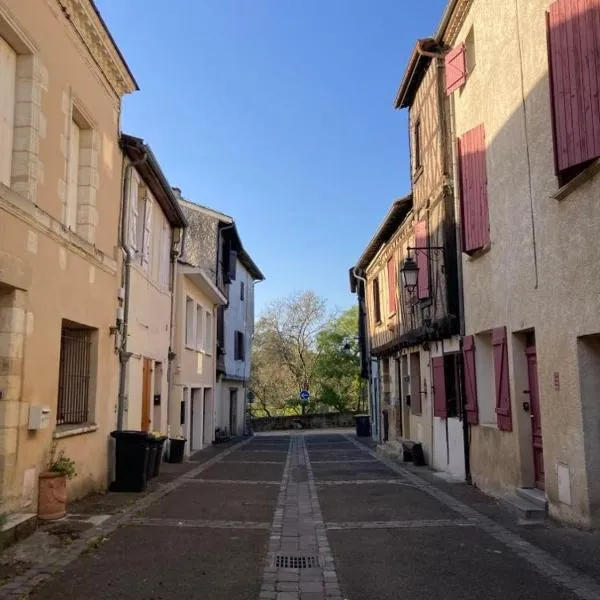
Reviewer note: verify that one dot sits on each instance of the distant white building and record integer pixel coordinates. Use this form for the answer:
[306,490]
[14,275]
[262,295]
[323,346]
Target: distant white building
[238,329]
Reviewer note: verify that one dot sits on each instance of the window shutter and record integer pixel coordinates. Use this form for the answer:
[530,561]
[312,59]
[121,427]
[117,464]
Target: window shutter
[133,212]
[440,408]
[421,241]
[72,186]
[236,346]
[574,66]
[8,65]
[147,230]
[503,412]
[391,274]
[470,389]
[242,346]
[456,69]
[473,183]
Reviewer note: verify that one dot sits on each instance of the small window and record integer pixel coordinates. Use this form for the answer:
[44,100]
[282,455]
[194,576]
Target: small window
[190,327]
[418,158]
[239,349]
[451,362]
[75,374]
[200,343]
[376,301]
[242,291]
[73,176]
[208,339]
[484,367]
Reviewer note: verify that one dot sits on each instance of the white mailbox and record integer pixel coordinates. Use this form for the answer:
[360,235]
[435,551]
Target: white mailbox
[39,417]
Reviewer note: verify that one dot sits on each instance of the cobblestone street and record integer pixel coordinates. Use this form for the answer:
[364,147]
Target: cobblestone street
[311,517]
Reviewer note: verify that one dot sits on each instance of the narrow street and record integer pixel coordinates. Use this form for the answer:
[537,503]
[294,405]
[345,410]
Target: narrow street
[311,516]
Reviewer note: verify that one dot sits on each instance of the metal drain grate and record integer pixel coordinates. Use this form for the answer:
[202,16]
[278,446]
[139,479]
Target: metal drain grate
[286,561]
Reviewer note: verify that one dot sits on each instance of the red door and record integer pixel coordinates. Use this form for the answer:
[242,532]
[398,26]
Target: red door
[536,421]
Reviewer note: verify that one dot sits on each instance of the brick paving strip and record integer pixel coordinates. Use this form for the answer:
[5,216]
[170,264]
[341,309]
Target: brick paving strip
[413,524]
[580,585]
[24,584]
[198,523]
[298,532]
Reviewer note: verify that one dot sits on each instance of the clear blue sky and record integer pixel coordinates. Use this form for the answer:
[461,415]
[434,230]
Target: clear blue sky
[279,113]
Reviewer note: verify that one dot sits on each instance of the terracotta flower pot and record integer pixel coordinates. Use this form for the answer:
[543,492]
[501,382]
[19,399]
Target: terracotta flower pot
[52,496]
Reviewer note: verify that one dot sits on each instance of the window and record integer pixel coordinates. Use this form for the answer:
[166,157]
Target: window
[8,67]
[418,160]
[190,326]
[484,367]
[141,218]
[391,273]
[573,42]
[473,190]
[376,301]
[75,374]
[200,342]
[208,329]
[470,379]
[445,376]
[164,264]
[455,69]
[239,350]
[73,177]
[242,291]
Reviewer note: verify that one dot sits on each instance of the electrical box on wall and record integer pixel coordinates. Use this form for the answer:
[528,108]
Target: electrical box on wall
[39,417]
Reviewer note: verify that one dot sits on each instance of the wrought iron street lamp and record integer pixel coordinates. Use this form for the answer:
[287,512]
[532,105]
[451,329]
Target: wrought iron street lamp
[410,274]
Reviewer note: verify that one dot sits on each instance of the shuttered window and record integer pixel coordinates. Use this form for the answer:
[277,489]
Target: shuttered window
[503,411]
[470,389]
[421,241]
[391,275]
[147,230]
[376,301]
[455,68]
[574,63]
[73,177]
[8,65]
[239,348]
[473,193]
[439,387]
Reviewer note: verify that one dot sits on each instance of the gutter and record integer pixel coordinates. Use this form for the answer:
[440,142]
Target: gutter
[124,355]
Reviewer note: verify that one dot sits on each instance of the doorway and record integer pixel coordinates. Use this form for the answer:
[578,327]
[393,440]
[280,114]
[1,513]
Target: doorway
[197,420]
[233,411]
[207,414]
[405,396]
[536,420]
[146,392]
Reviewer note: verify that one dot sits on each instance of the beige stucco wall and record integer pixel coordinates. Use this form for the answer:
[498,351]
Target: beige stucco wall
[501,287]
[57,274]
[191,368]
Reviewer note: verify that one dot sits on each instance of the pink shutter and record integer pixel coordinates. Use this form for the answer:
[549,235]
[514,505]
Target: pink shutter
[503,412]
[440,408]
[456,69]
[471,406]
[421,241]
[473,183]
[574,66]
[391,273]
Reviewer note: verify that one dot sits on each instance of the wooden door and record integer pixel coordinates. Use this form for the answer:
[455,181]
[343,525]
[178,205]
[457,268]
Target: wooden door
[146,394]
[536,422]
[232,412]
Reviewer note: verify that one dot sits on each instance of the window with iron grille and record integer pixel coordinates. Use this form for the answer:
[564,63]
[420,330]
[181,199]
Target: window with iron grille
[74,374]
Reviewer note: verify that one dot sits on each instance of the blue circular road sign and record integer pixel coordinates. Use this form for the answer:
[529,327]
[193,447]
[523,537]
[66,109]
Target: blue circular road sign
[304,395]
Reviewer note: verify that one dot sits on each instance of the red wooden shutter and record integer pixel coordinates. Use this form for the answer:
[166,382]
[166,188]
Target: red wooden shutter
[503,412]
[471,406]
[440,408]
[473,183]
[421,241]
[574,65]
[391,273]
[456,69]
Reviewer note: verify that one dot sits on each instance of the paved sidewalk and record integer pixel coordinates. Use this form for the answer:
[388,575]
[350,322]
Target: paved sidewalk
[312,517]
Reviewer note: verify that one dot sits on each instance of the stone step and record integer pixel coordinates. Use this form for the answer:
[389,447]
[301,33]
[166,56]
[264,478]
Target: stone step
[16,527]
[523,508]
[537,497]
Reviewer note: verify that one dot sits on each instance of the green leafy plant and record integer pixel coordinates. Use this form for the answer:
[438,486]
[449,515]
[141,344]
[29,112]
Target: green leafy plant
[63,465]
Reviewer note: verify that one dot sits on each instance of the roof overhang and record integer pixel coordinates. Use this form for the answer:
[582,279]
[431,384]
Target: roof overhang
[394,218]
[419,60]
[197,276]
[452,20]
[153,176]
[242,255]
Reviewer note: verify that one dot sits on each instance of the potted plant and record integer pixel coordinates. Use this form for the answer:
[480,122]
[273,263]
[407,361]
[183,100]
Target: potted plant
[176,448]
[52,494]
[156,439]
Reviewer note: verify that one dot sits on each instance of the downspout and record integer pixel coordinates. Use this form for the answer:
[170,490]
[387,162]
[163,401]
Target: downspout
[176,250]
[124,355]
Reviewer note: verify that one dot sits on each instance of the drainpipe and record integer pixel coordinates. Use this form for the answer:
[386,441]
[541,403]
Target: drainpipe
[176,249]
[124,355]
